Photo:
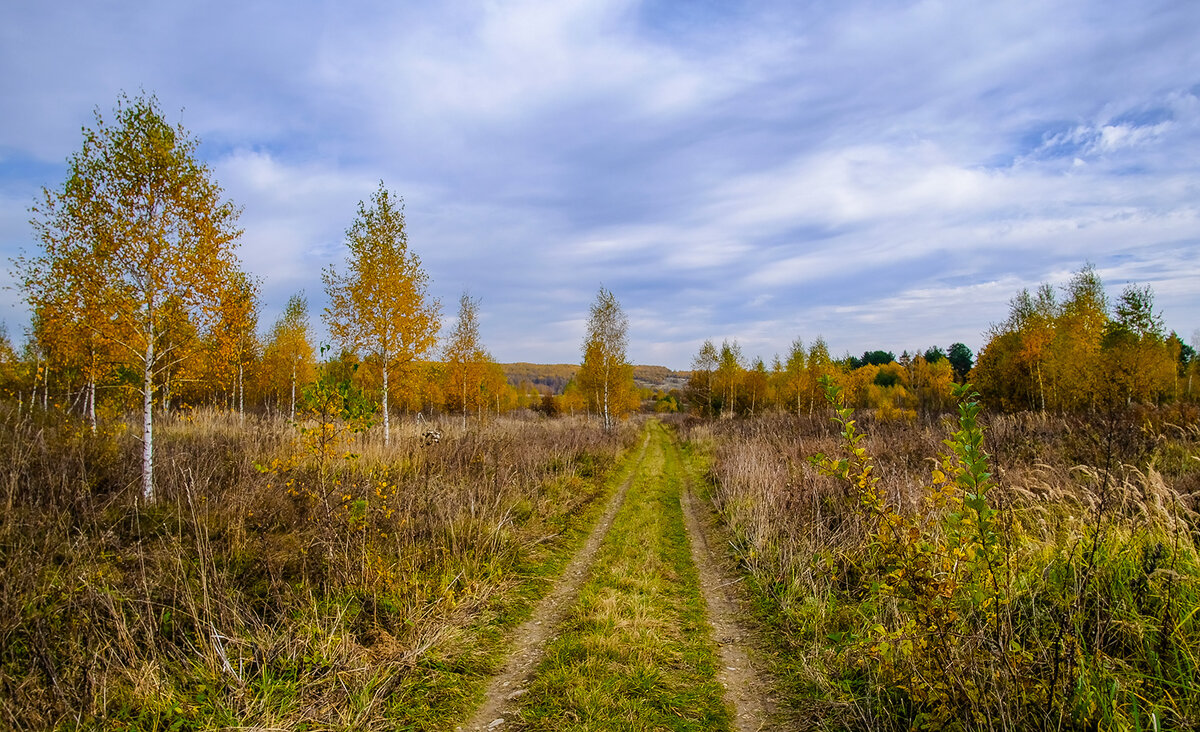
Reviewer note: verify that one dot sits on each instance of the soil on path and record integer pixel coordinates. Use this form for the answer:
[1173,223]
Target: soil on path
[747,692]
[529,641]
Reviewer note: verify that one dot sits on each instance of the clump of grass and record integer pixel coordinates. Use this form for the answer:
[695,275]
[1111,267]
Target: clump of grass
[236,601]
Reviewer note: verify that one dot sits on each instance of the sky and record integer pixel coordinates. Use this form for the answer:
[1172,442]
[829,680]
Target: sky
[887,175]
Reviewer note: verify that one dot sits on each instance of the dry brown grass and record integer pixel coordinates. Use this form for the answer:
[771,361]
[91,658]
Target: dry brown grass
[258,592]
[1098,523]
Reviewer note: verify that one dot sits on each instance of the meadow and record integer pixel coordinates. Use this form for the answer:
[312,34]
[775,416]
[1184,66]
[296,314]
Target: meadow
[1024,571]
[958,571]
[274,584]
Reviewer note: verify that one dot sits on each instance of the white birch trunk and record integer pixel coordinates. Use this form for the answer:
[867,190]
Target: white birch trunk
[386,422]
[1041,388]
[241,395]
[293,417]
[607,422]
[91,403]
[148,424]
[37,376]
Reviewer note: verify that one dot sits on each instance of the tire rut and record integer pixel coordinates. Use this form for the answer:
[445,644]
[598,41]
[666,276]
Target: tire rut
[747,692]
[529,640]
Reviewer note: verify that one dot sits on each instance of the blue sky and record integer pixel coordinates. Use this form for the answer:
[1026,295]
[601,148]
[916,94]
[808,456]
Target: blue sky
[885,174]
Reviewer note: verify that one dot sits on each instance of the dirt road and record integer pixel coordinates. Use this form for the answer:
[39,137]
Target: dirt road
[649,598]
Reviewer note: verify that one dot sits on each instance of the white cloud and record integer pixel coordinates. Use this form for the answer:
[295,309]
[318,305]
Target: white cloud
[293,216]
[879,173]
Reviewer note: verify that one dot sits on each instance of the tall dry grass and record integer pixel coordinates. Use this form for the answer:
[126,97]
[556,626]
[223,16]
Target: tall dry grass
[1088,620]
[262,589]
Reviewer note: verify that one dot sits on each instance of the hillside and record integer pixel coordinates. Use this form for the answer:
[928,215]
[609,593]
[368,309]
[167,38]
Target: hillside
[554,376]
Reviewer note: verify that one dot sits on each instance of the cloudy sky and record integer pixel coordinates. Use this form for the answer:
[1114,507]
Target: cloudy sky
[885,174]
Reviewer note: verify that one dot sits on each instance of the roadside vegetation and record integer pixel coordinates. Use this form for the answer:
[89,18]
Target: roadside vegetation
[1018,572]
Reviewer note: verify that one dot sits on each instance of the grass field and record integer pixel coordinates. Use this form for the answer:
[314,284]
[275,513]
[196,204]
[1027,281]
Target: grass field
[264,590]
[1016,572]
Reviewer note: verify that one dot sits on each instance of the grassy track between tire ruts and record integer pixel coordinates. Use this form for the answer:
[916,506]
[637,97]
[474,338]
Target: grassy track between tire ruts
[636,652]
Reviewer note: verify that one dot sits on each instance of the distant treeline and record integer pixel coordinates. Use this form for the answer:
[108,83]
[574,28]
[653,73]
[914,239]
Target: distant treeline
[553,378]
[1069,349]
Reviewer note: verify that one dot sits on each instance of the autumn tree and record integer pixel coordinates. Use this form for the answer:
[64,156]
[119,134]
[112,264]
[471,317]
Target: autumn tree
[931,379]
[1074,356]
[1183,356]
[795,372]
[497,393]
[1033,319]
[234,340]
[819,364]
[700,385]
[138,223]
[1073,362]
[1138,365]
[998,374]
[9,365]
[289,351]
[572,399]
[1018,366]
[381,305]
[63,327]
[728,377]
[605,377]
[465,360]
[756,385]
[186,361]
[1192,362]
[419,386]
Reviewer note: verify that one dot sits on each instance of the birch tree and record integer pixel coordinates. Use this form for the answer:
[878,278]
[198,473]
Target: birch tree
[466,360]
[138,223]
[756,384]
[605,377]
[289,350]
[795,371]
[1137,363]
[700,385]
[728,377]
[819,364]
[1078,331]
[235,342]
[62,326]
[381,304]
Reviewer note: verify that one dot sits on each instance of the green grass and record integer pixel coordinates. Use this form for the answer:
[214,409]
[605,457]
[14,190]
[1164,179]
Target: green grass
[422,704]
[635,653]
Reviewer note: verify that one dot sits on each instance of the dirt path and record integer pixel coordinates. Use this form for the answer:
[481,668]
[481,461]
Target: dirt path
[529,640]
[746,691]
